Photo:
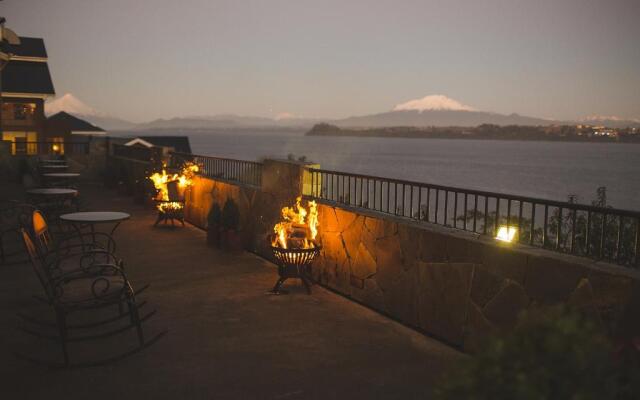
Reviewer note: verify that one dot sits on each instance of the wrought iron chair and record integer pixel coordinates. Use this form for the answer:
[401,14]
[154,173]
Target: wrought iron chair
[12,218]
[70,252]
[172,209]
[69,242]
[54,207]
[101,285]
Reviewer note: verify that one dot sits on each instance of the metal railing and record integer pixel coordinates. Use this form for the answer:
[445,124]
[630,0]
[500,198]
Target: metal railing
[590,231]
[48,148]
[240,171]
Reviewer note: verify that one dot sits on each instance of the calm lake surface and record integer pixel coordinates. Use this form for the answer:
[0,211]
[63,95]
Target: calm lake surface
[549,170]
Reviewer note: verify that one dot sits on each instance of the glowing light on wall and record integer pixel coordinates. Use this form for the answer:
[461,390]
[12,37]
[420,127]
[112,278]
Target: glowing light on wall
[506,233]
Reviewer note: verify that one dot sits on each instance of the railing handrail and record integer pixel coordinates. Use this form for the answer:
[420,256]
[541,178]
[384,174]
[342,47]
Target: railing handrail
[506,196]
[182,154]
[226,169]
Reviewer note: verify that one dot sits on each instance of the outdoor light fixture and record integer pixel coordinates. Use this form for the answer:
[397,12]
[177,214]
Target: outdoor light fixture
[506,233]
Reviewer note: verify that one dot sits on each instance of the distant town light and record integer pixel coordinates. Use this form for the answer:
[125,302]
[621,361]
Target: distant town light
[506,233]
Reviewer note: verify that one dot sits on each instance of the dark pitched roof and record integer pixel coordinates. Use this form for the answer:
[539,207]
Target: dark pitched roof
[63,120]
[28,47]
[27,77]
[179,143]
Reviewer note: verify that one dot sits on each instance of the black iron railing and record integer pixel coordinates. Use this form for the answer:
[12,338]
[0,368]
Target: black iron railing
[596,232]
[240,171]
[48,148]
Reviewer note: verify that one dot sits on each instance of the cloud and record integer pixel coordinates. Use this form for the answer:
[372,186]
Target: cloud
[433,102]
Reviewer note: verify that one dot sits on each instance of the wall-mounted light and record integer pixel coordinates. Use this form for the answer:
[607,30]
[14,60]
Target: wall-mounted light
[506,233]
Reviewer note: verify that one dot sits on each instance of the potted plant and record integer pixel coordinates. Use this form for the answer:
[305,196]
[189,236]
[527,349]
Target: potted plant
[231,223]
[25,173]
[214,225]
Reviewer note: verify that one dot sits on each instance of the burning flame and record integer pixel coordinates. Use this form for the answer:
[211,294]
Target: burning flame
[299,227]
[160,180]
[169,206]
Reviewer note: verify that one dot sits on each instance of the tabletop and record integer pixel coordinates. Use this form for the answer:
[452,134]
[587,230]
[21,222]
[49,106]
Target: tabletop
[62,175]
[52,191]
[95,216]
[52,161]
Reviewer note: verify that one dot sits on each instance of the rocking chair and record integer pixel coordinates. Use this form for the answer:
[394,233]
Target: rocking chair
[13,215]
[100,285]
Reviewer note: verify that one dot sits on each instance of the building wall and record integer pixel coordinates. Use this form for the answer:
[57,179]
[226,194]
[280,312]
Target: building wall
[34,124]
[456,286]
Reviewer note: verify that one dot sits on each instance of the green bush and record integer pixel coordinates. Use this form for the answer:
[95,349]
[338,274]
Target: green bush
[230,215]
[555,354]
[215,215]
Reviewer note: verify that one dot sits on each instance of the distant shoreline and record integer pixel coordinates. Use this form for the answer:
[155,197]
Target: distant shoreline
[486,132]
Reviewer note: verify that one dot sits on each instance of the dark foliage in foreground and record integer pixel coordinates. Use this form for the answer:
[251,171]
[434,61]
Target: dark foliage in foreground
[555,354]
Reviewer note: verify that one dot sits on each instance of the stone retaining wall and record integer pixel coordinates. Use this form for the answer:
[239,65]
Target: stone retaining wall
[456,286]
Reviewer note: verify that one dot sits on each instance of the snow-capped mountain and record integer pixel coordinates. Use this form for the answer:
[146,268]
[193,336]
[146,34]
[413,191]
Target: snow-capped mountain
[434,102]
[72,105]
[436,110]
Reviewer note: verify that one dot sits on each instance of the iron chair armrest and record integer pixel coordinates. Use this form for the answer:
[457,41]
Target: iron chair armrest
[59,257]
[99,280]
[90,271]
[84,268]
[110,243]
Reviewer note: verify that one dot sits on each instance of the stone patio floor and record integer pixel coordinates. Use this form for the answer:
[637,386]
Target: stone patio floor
[227,339]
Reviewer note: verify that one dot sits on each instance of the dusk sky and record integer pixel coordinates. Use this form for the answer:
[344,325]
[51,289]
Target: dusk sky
[142,60]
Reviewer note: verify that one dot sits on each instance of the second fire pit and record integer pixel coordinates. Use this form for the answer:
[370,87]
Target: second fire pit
[294,244]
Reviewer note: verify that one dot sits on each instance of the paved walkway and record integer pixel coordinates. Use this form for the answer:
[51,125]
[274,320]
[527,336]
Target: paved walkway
[226,338]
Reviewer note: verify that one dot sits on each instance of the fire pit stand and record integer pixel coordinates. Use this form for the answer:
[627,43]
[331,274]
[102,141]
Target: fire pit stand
[294,263]
[175,211]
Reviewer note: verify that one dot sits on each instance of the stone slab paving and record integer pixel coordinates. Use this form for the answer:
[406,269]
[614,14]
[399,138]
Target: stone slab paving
[226,338]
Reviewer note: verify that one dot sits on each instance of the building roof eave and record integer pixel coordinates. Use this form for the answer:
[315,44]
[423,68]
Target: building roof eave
[89,133]
[42,96]
[138,141]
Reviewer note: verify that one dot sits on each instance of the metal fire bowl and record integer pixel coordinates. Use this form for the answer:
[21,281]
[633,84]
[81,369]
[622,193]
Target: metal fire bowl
[295,257]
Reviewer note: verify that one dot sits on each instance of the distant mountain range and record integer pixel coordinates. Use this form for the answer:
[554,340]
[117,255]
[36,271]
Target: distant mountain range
[433,110]
[425,118]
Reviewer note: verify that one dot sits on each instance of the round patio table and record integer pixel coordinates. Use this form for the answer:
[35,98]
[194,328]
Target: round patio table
[63,177]
[54,198]
[52,161]
[52,192]
[54,167]
[93,218]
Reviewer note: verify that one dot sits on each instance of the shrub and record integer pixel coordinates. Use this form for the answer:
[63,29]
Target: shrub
[557,354]
[230,215]
[215,215]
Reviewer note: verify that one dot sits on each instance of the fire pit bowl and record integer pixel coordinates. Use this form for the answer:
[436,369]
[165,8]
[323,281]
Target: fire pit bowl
[294,263]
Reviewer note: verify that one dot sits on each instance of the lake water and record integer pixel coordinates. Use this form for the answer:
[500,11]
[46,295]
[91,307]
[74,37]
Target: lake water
[549,170]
